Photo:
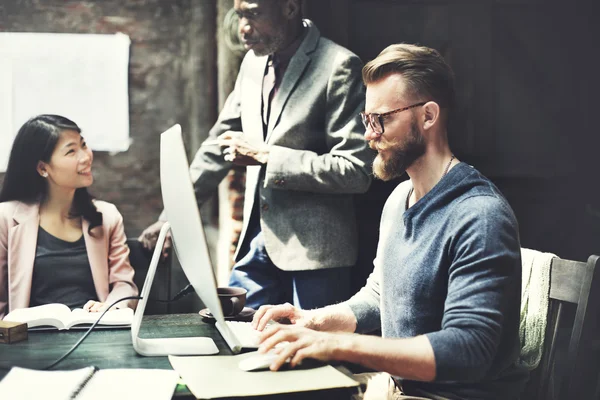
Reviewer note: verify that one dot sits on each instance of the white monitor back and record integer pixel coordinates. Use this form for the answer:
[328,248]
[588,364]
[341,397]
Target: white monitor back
[183,215]
[192,251]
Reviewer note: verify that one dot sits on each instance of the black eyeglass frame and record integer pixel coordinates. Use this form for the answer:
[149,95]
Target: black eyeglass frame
[367,119]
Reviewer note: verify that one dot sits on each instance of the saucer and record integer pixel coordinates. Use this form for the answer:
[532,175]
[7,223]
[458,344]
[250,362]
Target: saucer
[245,315]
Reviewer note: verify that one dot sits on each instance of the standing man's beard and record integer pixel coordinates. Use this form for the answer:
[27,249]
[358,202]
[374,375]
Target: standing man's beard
[401,154]
[274,44]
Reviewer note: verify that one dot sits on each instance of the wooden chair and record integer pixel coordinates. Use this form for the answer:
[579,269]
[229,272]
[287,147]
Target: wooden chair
[569,366]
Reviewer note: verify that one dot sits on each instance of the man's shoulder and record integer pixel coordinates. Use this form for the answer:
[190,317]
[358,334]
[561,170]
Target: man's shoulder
[329,45]
[471,183]
[323,45]
[476,195]
[335,54]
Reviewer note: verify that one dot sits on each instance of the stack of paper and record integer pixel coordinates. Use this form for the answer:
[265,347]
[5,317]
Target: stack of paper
[204,377]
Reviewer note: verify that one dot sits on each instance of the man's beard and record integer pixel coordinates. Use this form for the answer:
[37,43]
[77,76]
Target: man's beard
[402,153]
[273,45]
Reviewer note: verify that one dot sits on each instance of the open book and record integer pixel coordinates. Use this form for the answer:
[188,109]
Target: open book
[61,317]
[89,384]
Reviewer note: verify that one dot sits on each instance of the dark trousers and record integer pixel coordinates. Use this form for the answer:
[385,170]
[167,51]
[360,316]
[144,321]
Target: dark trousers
[267,284]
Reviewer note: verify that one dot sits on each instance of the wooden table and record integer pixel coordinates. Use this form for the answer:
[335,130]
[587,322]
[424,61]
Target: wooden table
[112,348]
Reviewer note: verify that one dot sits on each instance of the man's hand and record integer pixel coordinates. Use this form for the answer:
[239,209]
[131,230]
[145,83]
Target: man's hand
[149,237]
[281,313]
[94,306]
[302,343]
[241,152]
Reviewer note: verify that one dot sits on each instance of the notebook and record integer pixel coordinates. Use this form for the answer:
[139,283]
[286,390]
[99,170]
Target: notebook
[89,383]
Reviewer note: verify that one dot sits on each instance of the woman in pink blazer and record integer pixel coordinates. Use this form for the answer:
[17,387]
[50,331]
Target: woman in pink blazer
[57,244]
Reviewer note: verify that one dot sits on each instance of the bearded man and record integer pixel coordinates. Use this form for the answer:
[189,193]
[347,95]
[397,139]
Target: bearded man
[445,290]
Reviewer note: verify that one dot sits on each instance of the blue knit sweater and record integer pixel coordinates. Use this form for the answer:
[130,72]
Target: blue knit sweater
[449,268]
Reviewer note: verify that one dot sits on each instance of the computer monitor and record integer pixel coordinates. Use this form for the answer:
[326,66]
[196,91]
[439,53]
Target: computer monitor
[187,233]
[190,246]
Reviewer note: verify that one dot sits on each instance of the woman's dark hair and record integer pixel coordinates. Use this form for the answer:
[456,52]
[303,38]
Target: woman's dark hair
[35,142]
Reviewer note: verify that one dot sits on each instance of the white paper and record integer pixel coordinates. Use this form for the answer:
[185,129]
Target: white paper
[210,377]
[131,384]
[105,384]
[6,113]
[22,384]
[80,76]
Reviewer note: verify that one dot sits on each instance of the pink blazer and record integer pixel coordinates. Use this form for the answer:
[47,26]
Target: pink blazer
[106,248]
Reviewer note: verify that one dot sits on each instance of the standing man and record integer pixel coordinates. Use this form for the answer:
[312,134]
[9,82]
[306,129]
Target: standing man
[445,290]
[292,119]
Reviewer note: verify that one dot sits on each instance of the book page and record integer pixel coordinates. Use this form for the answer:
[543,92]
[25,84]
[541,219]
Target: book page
[120,317]
[22,383]
[49,314]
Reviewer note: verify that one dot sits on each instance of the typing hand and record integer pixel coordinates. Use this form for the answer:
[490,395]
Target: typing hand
[94,306]
[280,313]
[241,152]
[303,343]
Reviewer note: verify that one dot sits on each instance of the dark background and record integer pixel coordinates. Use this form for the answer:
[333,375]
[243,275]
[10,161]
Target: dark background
[526,72]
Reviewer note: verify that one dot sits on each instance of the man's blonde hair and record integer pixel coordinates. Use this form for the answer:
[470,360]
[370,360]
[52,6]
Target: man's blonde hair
[425,72]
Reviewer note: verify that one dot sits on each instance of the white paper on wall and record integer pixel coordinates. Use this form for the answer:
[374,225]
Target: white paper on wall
[6,112]
[80,76]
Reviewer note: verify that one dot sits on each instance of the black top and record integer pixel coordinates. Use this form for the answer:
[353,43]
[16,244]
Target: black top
[61,272]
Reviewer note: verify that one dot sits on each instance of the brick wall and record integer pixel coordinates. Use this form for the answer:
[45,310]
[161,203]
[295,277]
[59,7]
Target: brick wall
[171,80]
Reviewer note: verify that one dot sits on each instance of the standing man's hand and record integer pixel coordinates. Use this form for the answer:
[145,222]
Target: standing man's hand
[149,237]
[241,152]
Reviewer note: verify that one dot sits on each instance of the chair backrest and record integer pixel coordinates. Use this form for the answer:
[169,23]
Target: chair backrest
[569,369]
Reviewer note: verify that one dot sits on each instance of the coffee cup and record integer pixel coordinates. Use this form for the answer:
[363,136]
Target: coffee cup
[232,300]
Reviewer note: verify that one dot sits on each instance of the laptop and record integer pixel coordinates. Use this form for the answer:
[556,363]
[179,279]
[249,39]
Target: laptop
[189,242]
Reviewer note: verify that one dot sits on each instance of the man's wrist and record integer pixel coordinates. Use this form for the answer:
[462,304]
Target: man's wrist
[312,320]
[263,156]
[345,347]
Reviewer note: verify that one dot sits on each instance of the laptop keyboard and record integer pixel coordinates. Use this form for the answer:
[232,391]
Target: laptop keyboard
[245,333]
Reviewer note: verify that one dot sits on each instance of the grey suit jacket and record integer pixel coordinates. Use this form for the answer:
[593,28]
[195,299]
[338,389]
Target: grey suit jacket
[318,157]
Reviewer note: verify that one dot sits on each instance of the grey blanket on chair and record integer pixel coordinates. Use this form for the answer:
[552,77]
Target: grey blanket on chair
[535,293]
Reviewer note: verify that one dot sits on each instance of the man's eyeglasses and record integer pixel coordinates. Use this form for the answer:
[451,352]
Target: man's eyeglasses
[375,121]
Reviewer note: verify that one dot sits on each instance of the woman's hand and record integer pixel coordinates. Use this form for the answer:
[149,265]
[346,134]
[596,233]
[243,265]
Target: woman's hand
[94,306]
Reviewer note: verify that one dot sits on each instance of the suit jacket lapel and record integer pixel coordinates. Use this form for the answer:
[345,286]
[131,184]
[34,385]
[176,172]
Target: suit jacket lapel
[22,248]
[97,250]
[292,75]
